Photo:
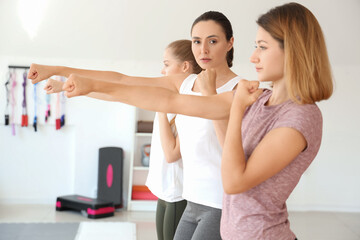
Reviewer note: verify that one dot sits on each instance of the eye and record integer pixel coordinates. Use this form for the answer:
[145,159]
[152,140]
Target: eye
[196,42]
[213,41]
[261,47]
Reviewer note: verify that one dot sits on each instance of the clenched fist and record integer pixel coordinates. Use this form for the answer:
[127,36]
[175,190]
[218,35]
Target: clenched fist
[53,86]
[207,82]
[39,72]
[78,86]
[247,92]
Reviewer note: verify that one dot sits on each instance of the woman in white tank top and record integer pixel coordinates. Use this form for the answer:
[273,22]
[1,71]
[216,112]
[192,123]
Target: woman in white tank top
[200,139]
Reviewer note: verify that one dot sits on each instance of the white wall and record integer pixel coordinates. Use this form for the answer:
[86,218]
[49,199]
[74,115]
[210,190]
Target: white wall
[129,36]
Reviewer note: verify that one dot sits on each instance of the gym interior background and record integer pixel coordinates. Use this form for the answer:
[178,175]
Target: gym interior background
[130,36]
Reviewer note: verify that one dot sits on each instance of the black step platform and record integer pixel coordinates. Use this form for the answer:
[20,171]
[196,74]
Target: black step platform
[109,191]
[94,208]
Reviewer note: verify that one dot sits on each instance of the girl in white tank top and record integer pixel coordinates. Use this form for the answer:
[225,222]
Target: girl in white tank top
[165,177]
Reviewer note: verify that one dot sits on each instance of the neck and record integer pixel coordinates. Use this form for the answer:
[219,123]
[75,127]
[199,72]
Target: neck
[279,93]
[223,74]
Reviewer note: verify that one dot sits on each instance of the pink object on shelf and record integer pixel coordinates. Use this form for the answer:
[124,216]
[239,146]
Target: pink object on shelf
[143,196]
[100,210]
[58,204]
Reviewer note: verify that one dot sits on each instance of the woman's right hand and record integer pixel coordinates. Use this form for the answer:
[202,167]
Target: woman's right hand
[207,82]
[38,73]
[53,86]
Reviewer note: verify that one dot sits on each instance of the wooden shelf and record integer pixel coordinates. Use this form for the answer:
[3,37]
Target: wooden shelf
[143,134]
[138,173]
[141,168]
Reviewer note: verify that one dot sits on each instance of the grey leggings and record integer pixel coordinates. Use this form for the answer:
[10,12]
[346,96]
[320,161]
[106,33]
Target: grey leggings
[199,222]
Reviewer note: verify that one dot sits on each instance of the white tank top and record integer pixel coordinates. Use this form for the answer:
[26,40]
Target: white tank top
[201,152]
[165,180]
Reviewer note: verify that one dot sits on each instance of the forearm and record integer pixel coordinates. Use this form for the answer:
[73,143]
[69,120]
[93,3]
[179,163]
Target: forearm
[100,75]
[233,162]
[163,100]
[101,96]
[220,129]
[168,140]
[219,125]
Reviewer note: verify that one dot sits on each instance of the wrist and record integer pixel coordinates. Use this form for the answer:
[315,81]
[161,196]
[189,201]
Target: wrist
[94,87]
[238,106]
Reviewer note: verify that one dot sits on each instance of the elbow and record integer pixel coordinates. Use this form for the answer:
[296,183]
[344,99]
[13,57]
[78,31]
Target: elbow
[171,158]
[234,187]
[231,189]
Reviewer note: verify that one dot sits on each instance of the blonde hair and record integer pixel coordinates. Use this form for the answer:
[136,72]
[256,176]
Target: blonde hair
[181,49]
[307,66]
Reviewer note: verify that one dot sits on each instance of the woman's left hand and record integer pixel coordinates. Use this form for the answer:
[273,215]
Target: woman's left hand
[53,86]
[247,92]
[77,85]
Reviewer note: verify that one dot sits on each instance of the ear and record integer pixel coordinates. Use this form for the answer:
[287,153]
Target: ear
[185,67]
[230,43]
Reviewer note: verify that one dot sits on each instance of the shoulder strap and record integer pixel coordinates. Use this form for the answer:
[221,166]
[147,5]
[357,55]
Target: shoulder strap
[187,84]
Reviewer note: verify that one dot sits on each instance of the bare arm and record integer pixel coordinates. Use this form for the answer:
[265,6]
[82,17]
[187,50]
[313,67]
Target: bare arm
[207,84]
[55,86]
[39,73]
[154,98]
[275,151]
[170,144]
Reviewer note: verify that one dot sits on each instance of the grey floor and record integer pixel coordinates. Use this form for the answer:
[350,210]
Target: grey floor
[306,225]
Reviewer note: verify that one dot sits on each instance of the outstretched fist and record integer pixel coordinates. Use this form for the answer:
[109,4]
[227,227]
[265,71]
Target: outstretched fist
[77,86]
[39,72]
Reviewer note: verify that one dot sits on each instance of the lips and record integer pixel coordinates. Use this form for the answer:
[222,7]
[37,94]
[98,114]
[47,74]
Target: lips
[258,69]
[205,60]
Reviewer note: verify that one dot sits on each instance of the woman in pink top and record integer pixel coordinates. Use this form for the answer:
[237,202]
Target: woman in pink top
[272,136]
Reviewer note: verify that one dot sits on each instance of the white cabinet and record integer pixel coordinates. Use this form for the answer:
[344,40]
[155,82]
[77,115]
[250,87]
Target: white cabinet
[138,172]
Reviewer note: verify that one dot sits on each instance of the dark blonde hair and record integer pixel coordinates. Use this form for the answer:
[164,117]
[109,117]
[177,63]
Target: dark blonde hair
[307,66]
[181,49]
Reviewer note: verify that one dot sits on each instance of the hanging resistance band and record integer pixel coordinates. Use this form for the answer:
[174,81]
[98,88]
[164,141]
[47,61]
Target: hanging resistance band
[48,112]
[7,83]
[63,101]
[24,116]
[35,108]
[58,120]
[13,103]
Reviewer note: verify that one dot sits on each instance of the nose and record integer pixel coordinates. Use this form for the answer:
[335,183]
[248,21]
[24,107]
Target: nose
[204,48]
[163,71]
[255,57]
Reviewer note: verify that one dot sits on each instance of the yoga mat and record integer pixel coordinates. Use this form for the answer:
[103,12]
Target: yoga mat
[68,231]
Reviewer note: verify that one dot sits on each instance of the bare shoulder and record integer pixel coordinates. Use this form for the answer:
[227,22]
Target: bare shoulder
[178,79]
